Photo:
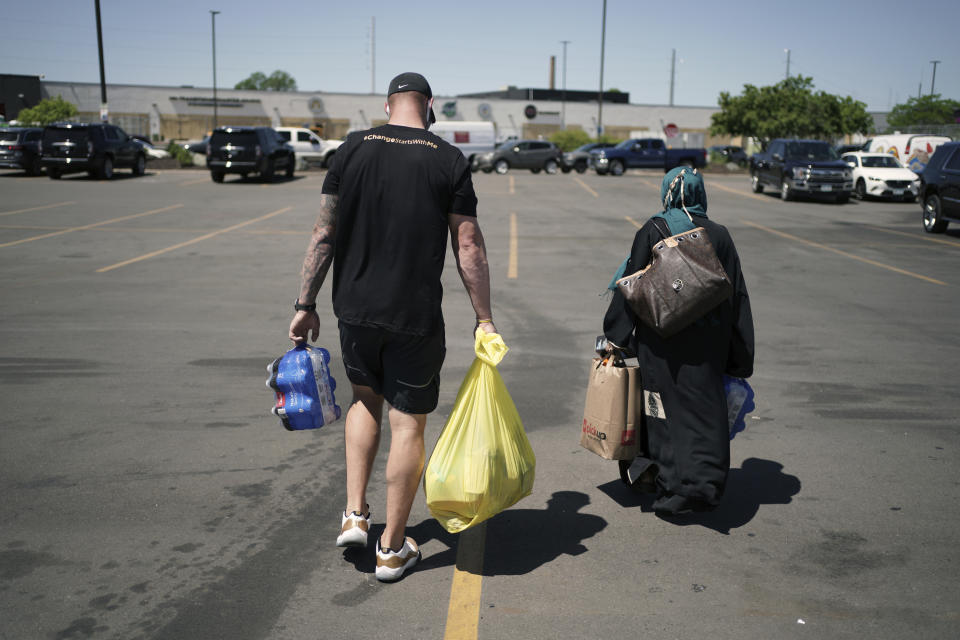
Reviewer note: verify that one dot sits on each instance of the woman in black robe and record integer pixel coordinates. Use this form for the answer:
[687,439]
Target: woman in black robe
[686,451]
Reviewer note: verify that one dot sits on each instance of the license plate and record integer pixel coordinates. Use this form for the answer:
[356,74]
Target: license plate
[826,187]
[898,192]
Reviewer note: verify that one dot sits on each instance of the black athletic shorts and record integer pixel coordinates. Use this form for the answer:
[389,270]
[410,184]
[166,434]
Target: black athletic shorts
[404,369]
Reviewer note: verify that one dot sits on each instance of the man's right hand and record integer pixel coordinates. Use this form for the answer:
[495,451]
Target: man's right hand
[488,327]
[304,324]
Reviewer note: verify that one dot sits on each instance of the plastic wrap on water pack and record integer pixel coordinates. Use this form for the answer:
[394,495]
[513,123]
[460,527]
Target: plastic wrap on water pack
[304,388]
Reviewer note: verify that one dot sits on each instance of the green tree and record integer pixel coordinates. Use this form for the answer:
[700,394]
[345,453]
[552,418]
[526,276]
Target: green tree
[47,111]
[276,81]
[570,139]
[929,109]
[789,108]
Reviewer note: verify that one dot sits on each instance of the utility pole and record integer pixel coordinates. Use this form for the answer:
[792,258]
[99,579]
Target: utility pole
[933,80]
[104,110]
[788,63]
[673,71]
[213,31]
[563,92]
[373,54]
[603,46]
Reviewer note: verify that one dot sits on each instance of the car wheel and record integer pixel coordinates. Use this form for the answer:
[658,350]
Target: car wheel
[616,167]
[106,169]
[601,172]
[535,170]
[932,222]
[755,185]
[290,168]
[139,165]
[550,167]
[581,167]
[501,166]
[861,189]
[35,169]
[566,169]
[216,176]
[785,192]
[53,173]
[487,170]
[268,170]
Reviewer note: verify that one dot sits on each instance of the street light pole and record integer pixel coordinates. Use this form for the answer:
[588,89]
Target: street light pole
[933,81]
[603,46]
[213,30]
[563,94]
[104,110]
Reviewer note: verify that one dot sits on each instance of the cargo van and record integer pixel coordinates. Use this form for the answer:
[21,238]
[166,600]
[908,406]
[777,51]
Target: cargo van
[912,149]
[472,138]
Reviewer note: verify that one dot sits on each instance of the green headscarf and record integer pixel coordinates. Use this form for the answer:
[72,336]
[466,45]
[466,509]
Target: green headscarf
[682,193]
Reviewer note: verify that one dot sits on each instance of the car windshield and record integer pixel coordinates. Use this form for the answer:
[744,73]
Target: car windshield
[237,138]
[587,147]
[881,162]
[78,135]
[815,151]
[10,136]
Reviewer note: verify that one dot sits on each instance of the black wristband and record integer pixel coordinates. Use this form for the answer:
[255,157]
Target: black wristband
[304,307]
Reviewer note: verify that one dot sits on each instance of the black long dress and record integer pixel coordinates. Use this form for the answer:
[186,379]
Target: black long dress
[685,405]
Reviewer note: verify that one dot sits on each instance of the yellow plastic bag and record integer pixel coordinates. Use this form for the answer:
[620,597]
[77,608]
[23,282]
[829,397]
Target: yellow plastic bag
[483,462]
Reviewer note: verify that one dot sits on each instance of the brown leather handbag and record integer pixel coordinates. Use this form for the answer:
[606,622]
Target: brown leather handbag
[683,282]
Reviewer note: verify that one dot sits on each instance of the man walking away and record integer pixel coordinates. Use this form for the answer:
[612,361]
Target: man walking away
[389,200]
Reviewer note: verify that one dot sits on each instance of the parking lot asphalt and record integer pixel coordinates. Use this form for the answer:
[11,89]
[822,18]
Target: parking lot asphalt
[148,492]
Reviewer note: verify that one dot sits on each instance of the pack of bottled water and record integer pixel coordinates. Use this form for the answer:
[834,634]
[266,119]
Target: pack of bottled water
[304,388]
[739,403]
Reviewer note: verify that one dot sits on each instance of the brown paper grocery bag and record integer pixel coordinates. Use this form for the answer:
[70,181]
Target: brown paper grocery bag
[611,416]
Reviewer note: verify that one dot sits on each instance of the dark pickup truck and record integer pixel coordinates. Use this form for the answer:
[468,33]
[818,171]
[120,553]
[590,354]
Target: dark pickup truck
[644,153]
[795,167]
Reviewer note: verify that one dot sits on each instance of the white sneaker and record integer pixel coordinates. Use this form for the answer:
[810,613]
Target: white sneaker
[391,564]
[353,530]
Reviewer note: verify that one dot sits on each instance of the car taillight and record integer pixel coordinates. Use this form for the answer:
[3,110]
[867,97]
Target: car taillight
[259,151]
[15,147]
[908,149]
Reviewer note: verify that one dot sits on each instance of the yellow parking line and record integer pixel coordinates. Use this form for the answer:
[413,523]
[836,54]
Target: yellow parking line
[512,185]
[915,236]
[90,226]
[633,222]
[46,206]
[463,611]
[584,185]
[512,264]
[716,185]
[180,245]
[844,253]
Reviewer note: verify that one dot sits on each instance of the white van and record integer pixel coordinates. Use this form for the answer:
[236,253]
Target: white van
[472,138]
[308,146]
[912,149]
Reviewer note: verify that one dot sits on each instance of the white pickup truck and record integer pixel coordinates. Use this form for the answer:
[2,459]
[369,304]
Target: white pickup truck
[309,147]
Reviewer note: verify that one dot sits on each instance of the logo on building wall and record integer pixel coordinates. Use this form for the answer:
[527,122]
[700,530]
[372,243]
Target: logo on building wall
[484,110]
[315,105]
[530,111]
[449,108]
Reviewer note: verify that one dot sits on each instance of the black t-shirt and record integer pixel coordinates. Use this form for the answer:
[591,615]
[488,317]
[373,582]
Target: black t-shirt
[395,187]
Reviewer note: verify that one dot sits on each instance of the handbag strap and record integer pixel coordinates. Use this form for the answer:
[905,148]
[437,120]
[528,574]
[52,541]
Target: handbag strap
[661,226]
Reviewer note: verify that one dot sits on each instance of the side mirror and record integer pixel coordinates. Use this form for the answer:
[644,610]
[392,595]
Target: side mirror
[516,149]
[851,164]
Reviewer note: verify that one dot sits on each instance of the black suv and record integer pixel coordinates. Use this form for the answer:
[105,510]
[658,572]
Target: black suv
[247,150]
[535,155]
[940,188]
[20,149]
[69,147]
[808,167]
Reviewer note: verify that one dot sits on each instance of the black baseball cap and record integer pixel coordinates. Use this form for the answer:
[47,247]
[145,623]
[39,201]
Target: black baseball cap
[410,81]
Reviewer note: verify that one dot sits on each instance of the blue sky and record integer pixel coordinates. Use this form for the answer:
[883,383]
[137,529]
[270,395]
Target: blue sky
[876,51]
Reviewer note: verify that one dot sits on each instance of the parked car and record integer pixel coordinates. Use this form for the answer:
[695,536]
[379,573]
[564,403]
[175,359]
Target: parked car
[247,150]
[96,148]
[197,146]
[940,188]
[730,153]
[308,145]
[20,149]
[912,149]
[881,175]
[149,149]
[579,159]
[644,153]
[535,155]
[807,167]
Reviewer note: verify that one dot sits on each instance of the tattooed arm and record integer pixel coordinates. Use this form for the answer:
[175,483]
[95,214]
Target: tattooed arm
[315,266]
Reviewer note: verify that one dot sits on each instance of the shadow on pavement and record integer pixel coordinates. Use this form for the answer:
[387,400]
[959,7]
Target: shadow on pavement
[757,482]
[518,540]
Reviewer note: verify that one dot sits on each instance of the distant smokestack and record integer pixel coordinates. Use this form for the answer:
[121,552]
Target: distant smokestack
[553,72]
